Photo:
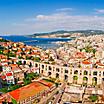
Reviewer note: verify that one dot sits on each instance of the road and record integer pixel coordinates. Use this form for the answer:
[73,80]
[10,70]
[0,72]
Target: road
[60,94]
[45,99]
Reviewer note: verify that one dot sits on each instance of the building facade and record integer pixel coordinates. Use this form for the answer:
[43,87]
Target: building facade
[72,75]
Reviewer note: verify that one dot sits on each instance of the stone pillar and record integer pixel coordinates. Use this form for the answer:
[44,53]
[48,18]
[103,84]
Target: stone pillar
[62,70]
[53,75]
[70,78]
[99,80]
[90,80]
[80,79]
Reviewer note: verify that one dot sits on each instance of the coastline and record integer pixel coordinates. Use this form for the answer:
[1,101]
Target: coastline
[40,42]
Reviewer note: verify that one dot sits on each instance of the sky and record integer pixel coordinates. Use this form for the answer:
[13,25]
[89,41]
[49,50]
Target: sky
[32,16]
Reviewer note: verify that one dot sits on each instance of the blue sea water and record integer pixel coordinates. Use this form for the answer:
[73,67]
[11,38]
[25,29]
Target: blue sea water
[40,42]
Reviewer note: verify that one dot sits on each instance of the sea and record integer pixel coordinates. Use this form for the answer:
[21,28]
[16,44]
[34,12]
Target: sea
[39,42]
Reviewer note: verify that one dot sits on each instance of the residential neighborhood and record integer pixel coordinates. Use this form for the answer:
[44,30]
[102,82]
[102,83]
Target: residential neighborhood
[29,74]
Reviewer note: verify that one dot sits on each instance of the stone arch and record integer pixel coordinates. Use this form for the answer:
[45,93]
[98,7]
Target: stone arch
[36,65]
[75,79]
[42,71]
[42,66]
[85,80]
[94,81]
[102,79]
[57,69]
[76,72]
[103,73]
[66,77]
[103,85]
[24,62]
[50,68]
[30,64]
[49,73]
[85,72]
[57,75]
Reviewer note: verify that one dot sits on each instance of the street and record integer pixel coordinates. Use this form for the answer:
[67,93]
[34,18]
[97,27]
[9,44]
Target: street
[47,98]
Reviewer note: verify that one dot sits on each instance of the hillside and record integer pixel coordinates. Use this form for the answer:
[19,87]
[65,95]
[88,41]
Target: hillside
[60,32]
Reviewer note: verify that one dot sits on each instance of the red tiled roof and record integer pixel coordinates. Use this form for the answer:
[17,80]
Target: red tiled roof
[80,55]
[28,91]
[13,65]
[46,83]
[8,74]
[99,63]
[3,56]
[86,62]
[3,76]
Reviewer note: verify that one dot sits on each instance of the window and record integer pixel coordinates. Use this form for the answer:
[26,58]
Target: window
[42,66]
[28,99]
[49,73]
[50,68]
[57,69]
[76,72]
[80,72]
[42,71]
[57,75]
[36,65]
[32,97]
[66,77]
[95,73]
[85,72]
[66,71]
[90,73]
[70,71]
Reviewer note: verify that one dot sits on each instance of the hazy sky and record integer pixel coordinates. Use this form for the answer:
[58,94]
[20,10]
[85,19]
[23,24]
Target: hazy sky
[30,16]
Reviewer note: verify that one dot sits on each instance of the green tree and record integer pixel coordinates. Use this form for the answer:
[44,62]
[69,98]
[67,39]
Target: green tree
[56,84]
[14,101]
[27,81]
[19,63]
[1,52]
[93,98]
[94,51]
[37,59]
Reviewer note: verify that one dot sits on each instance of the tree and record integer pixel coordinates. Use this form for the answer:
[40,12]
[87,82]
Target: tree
[93,98]
[20,57]
[14,101]
[37,59]
[27,81]
[32,75]
[56,84]
[94,51]
[75,78]
[4,90]
[1,52]
[14,87]
[19,63]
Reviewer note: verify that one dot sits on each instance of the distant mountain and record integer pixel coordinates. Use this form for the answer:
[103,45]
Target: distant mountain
[84,32]
[54,32]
